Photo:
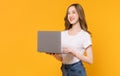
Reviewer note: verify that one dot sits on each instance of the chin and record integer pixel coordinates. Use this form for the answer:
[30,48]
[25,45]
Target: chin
[72,23]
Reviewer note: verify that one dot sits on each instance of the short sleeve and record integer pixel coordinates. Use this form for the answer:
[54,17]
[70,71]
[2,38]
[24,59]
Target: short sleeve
[87,41]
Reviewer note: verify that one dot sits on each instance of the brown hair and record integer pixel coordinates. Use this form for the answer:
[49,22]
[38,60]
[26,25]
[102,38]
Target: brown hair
[81,14]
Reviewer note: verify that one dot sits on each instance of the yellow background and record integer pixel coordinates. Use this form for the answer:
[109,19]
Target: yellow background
[21,19]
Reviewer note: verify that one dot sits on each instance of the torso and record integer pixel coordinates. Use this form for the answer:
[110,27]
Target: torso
[75,42]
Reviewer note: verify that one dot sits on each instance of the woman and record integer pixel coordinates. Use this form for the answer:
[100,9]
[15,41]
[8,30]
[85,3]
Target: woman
[75,41]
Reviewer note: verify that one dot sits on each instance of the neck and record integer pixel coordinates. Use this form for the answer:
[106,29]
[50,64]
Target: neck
[76,27]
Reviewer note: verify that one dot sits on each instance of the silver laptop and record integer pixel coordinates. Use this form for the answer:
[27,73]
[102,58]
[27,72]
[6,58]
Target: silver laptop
[49,41]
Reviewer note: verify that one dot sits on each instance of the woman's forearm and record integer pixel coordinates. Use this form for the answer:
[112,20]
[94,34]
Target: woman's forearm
[84,58]
[88,58]
[58,57]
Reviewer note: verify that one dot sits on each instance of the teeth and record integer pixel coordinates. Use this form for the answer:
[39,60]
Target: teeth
[71,19]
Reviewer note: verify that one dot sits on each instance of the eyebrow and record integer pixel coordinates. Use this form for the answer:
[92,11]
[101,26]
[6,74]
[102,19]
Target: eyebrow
[72,11]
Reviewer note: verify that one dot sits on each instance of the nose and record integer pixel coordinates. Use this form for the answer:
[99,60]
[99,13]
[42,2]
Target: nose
[70,15]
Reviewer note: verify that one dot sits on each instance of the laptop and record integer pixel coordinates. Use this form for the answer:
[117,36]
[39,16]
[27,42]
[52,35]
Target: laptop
[49,41]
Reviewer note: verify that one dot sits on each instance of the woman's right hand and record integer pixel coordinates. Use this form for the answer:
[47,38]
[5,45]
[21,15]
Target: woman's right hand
[53,54]
[57,56]
[50,53]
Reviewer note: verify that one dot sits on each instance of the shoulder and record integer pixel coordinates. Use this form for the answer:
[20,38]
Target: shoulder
[64,32]
[85,34]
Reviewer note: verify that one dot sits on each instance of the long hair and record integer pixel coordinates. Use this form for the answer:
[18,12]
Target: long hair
[81,15]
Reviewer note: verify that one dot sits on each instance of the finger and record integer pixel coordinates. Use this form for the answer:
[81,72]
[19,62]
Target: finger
[47,53]
[65,51]
[50,53]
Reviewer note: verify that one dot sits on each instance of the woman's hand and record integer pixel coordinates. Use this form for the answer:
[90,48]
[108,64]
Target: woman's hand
[57,56]
[67,50]
[50,53]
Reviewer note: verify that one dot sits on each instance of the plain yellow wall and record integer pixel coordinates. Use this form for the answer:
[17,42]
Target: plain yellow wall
[21,19]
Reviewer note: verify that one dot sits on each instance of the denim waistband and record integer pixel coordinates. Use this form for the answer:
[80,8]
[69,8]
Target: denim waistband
[79,62]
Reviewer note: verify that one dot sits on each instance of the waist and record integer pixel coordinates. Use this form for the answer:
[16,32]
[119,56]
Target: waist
[79,62]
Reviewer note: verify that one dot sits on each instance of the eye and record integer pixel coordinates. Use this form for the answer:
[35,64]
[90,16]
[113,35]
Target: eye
[73,12]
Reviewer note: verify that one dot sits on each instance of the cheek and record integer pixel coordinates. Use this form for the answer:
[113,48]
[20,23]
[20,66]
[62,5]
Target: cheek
[76,15]
[77,18]
[68,18]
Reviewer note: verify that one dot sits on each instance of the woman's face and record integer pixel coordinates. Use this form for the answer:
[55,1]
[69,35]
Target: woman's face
[73,15]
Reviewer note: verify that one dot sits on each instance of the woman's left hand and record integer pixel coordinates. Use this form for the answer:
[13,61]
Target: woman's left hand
[67,50]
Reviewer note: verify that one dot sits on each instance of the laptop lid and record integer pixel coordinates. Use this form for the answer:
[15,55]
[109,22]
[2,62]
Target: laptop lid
[49,41]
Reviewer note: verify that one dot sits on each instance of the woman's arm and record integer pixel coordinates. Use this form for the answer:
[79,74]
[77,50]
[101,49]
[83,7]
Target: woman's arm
[57,56]
[89,55]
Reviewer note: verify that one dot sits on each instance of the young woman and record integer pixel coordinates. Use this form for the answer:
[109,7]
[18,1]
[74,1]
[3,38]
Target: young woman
[76,40]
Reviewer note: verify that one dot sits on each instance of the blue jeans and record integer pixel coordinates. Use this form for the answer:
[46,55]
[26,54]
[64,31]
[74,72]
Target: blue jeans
[76,69]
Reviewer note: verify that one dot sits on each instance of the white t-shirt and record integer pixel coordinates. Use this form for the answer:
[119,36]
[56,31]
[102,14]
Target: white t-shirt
[78,43]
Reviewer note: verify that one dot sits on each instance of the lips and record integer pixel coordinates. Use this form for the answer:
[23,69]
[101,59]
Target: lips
[71,18]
